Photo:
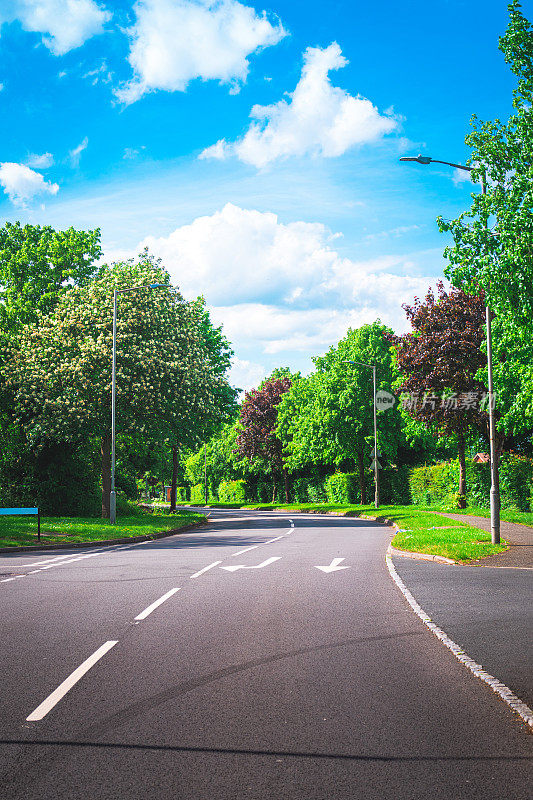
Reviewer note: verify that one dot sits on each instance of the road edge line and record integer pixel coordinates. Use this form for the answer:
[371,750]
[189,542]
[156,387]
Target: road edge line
[503,691]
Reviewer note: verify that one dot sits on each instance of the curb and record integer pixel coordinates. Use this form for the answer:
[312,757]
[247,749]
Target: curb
[101,542]
[392,551]
[503,691]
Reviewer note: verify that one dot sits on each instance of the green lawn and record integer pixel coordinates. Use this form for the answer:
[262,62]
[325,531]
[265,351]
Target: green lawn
[420,531]
[16,531]
[506,514]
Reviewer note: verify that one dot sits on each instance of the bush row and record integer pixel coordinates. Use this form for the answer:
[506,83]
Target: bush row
[437,484]
[341,487]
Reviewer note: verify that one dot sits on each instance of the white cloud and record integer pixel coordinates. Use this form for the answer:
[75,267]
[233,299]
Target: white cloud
[318,119]
[40,161]
[461,176]
[65,24]
[2,87]
[75,154]
[22,184]
[175,41]
[283,287]
[246,374]
[100,74]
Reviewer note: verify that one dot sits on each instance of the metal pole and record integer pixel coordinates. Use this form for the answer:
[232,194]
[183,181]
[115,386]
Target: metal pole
[494,483]
[376,469]
[494,488]
[112,494]
[205,474]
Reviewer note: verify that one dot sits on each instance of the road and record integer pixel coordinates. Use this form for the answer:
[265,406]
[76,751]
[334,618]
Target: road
[271,679]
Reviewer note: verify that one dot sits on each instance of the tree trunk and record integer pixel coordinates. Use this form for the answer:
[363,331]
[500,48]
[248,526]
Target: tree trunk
[273,488]
[286,481]
[105,449]
[461,500]
[361,471]
[174,486]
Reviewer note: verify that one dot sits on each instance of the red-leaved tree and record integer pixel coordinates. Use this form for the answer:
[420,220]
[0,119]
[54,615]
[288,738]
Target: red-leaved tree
[258,420]
[438,361]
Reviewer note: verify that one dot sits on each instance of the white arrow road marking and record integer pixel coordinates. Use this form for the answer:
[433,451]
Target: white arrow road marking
[155,605]
[333,566]
[257,566]
[54,698]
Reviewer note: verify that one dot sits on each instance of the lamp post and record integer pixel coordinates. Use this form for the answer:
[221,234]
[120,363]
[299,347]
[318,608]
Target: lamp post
[376,467]
[494,483]
[112,494]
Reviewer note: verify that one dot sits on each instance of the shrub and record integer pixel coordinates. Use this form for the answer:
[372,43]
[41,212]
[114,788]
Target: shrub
[198,493]
[232,491]
[342,487]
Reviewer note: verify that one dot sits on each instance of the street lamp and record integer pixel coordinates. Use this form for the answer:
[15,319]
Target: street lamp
[376,466]
[494,483]
[112,494]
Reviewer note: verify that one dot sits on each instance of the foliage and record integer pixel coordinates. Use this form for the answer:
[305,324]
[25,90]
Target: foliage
[258,419]
[167,379]
[232,491]
[341,487]
[327,418]
[38,265]
[436,485]
[56,476]
[442,355]
[499,260]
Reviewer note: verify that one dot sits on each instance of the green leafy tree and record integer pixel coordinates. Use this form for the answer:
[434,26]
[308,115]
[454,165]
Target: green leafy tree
[327,418]
[37,265]
[493,240]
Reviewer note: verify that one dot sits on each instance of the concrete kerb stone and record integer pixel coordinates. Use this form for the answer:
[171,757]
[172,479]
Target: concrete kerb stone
[102,542]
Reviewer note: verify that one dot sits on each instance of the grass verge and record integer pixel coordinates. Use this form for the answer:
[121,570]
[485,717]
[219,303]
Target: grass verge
[506,514]
[18,530]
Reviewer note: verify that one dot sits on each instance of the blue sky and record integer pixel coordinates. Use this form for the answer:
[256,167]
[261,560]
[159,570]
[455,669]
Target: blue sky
[254,147]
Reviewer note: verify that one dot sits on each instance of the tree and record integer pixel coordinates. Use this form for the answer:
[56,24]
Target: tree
[60,370]
[258,421]
[327,418]
[37,265]
[439,362]
[493,240]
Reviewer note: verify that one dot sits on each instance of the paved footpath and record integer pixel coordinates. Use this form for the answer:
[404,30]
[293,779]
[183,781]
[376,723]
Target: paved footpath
[520,537]
[264,657]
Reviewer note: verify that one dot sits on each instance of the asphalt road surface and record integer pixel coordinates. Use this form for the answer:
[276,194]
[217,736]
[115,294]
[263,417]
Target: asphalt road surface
[224,663]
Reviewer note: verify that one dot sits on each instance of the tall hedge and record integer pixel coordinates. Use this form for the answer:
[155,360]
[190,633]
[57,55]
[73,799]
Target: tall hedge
[437,484]
[341,487]
[232,491]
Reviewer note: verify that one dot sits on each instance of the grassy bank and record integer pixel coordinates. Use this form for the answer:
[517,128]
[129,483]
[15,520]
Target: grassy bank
[420,531]
[15,531]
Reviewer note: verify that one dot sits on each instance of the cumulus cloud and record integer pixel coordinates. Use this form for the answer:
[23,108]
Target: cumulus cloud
[317,119]
[175,41]
[40,161]
[283,286]
[22,184]
[75,154]
[65,24]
